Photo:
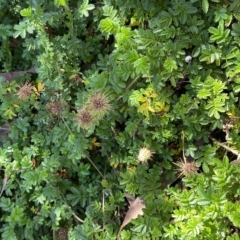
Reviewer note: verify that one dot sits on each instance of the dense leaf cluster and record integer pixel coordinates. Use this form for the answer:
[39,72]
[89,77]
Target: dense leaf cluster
[91,84]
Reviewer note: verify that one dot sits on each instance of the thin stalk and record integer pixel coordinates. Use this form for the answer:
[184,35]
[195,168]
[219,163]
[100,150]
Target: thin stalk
[183,136]
[226,147]
[95,167]
[70,209]
[66,125]
[127,88]
[2,128]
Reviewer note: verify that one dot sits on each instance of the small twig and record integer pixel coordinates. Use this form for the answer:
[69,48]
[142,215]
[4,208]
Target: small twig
[95,167]
[225,146]
[2,128]
[9,76]
[234,117]
[113,130]
[75,216]
[103,202]
[130,85]
[66,125]
[184,73]
[54,235]
[127,88]
[5,180]
[184,82]
[103,198]
[70,209]
[229,80]
[184,158]
[103,208]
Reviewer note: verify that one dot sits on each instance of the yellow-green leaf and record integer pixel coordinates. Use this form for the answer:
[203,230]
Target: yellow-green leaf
[94,143]
[160,105]
[142,99]
[40,87]
[26,12]
[144,109]
[150,108]
[9,113]
[60,2]
[153,95]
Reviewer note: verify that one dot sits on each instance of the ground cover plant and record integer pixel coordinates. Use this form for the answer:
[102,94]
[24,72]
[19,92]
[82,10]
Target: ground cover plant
[119,119]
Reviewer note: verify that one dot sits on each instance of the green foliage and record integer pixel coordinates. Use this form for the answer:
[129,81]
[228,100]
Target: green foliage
[111,78]
[205,5]
[204,211]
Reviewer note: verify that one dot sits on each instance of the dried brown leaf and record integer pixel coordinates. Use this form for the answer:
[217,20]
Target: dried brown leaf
[135,209]
[9,76]
[130,198]
[5,180]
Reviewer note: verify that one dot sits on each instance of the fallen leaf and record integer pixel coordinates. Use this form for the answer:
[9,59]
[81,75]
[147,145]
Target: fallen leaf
[9,76]
[135,209]
[130,198]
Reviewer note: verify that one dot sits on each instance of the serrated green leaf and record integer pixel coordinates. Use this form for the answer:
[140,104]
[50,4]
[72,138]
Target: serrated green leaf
[170,65]
[235,218]
[109,26]
[131,56]
[5,31]
[204,93]
[167,164]
[205,167]
[84,8]
[144,109]
[142,65]
[134,98]
[205,6]
[109,11]
[26,12]
[60,2]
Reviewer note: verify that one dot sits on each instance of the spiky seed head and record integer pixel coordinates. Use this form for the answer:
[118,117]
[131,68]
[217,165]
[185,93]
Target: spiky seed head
[186,168]
[25,91]
[144,155]
[55,108]
[85,118]
[99,103]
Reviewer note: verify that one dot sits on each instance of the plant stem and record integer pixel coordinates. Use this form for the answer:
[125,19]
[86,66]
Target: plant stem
[70,209]
[66,125]
[129,86]
[226,147]
[95,167]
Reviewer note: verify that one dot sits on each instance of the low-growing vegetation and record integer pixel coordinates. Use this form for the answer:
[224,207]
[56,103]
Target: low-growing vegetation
[119,119]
